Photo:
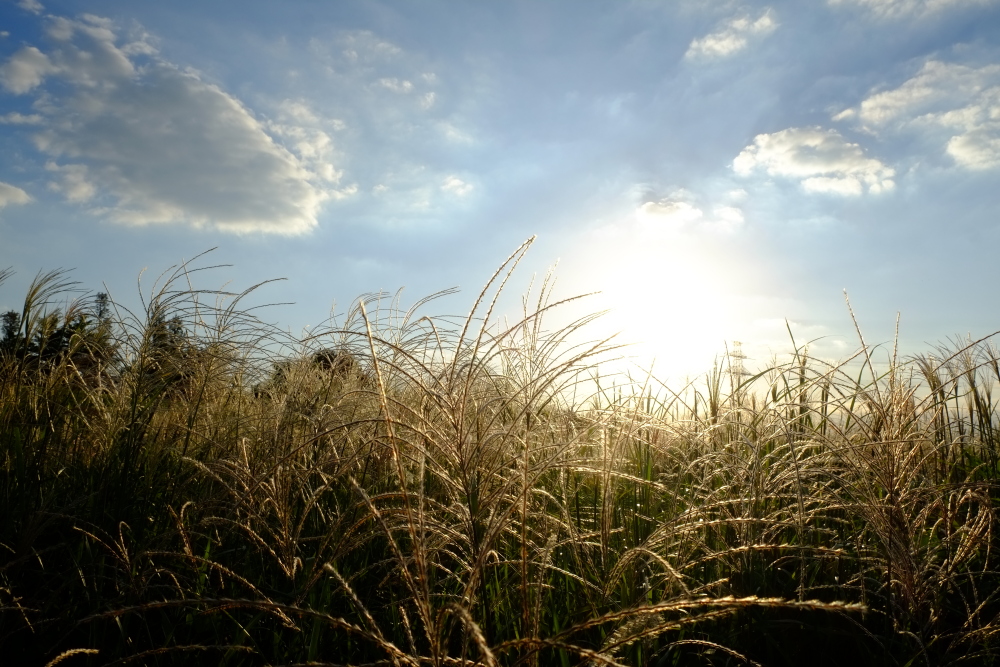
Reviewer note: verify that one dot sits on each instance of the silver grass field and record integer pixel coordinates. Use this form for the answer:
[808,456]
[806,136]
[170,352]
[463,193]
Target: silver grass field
[186,484]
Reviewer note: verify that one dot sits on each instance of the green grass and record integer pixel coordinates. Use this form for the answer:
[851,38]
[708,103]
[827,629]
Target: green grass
[187,484]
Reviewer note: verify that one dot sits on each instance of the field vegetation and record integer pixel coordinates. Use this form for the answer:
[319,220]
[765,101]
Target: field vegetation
[185,484]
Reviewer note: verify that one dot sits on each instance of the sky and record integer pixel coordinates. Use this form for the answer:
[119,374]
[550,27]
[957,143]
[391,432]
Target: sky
[716,170]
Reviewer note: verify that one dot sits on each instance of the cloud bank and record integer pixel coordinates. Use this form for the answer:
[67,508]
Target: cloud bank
[821,160]
[958,104]
[141,141]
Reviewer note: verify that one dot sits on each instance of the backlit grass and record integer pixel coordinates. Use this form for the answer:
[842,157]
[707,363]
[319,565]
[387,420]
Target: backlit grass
[186,484]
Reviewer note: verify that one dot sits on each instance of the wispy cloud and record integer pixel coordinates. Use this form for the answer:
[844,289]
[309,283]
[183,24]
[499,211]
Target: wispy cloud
[141,141]
[11,194]
[897,9]
[15,118]
[732,36]
[681,212]
[958,103]
[73,181]
[821,160]
[669,212]
[32,6]
[401,141]
[457,186]
[401,86]
[365,47]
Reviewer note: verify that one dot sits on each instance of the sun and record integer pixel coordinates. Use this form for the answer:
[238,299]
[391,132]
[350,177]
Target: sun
[676,299]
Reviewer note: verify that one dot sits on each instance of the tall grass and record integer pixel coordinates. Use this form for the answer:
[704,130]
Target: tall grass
[186,483]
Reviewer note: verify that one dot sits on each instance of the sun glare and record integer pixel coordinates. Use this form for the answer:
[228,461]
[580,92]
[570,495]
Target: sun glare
[673,297]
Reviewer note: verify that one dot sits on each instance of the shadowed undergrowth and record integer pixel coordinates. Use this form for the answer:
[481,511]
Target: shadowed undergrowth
[187,484]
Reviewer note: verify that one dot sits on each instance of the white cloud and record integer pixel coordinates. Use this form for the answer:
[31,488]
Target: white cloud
[25,70]
[822,160]
[960,104]
[730,216]
[73,182]
[897,9]
[668,212]
[457,186]
[142,141]
[364,47]
[10,194]
[400,86]
[388,91]
[676,213]
[301,112]
[732,36]
[977,149]
[86,54]
[937,87]
[308,136]
[15,118]
[455,134]
[32,6]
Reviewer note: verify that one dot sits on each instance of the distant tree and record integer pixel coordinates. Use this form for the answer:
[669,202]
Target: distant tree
[52,338]
[78,338]
[168,356]
[10,326]
[102,307]
[168,339]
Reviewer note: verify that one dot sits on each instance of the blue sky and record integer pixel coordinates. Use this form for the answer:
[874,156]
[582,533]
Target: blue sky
[713,168]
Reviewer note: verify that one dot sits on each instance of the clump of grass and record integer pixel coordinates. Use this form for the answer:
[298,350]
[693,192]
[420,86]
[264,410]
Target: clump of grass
[399,489]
